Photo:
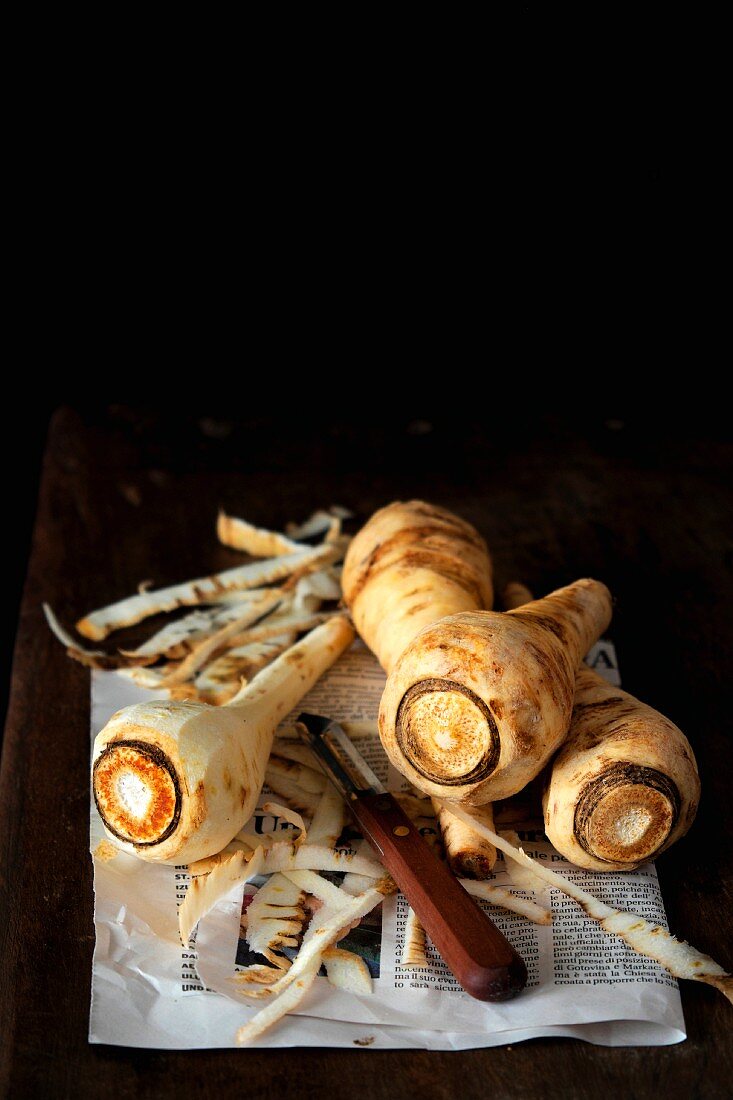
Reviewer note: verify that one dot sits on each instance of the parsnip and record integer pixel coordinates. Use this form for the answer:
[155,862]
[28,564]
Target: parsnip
[475,702]
[624,786]
[410,565]
[478,702]
[468,852]
[175,781]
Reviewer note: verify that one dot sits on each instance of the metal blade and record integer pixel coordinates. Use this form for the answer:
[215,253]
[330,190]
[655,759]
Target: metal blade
[341,760]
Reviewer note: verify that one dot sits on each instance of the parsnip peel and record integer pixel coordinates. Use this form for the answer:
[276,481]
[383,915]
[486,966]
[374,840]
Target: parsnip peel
[650,940]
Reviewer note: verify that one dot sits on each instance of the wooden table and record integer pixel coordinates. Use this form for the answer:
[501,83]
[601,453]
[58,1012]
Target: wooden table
[127,496]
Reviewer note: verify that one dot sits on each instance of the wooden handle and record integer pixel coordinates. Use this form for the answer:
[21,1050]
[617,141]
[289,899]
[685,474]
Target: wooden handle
[480,957]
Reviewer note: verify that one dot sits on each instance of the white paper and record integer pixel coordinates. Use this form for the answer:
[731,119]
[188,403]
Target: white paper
[147,991]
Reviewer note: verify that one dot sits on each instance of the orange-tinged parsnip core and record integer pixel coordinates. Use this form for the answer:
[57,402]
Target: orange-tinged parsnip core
[136,792]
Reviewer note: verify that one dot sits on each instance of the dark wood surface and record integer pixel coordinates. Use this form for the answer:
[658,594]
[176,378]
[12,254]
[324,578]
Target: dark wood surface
[129,495]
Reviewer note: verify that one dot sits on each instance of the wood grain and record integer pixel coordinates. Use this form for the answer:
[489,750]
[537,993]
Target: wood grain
[129,495]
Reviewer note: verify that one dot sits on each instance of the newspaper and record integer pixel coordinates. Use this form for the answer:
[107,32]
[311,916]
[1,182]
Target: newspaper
[149,991]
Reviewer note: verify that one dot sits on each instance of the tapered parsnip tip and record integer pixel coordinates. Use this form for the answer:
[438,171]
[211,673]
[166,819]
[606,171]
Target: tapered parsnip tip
[469,854]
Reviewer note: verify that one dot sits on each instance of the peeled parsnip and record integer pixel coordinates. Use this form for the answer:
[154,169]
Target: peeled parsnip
[409,566]
[478,702]
[624,786]
[174,782]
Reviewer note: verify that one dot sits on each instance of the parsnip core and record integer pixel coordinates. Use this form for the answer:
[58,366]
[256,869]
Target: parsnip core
[137,792]
[625,818]
[447,732]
